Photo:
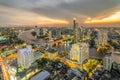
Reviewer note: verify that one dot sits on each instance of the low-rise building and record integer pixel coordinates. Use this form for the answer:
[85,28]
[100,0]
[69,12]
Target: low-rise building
[41,76]
[51,53]
[75,73]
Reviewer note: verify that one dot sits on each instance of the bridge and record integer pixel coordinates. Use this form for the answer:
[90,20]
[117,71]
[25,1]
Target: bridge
[60,41]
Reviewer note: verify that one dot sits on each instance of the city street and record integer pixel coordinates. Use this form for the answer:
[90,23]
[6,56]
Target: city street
[4,69]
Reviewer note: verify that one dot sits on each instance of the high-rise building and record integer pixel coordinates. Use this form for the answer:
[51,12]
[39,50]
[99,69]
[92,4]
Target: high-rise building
[58,33]
[37,31]
[81,33]
[74,23]
[75,30]
[107,62]
[102,36]
[44,31]
[50,35]
[25,57]
[79,52]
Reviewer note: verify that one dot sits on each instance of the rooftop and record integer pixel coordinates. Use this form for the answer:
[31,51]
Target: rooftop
[41,76]
[51,50]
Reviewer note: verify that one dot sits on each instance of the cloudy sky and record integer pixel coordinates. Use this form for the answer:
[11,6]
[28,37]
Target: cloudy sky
[40,12]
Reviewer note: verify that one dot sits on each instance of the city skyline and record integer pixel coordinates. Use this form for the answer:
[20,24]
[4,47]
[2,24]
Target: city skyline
[45,12]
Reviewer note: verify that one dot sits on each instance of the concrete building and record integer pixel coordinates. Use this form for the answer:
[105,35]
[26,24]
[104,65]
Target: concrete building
[44,31]
[50,36]
[25,57]
[102,36]
[75,74]
[79,52]
[51,53]
[75,30]
[107,62]
[37,31]
[41,76]
[58,33]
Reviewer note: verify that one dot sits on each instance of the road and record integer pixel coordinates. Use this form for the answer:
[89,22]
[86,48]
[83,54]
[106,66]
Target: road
[4,65]
[4,69]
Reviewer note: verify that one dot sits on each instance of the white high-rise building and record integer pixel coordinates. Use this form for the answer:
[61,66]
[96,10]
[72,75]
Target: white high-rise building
[102,36]
[37,31]
[79,52]
[107,62]
[25,57]
[44,31]
[50,35]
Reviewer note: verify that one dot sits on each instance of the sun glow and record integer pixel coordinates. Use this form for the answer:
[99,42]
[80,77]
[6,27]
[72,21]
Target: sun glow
[52,21]
[115,18]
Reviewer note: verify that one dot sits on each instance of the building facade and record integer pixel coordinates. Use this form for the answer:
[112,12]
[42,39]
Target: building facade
[50,35]
[51,53]
[102,36]
[25,57]
[107,62]
[37,31]
[79,52]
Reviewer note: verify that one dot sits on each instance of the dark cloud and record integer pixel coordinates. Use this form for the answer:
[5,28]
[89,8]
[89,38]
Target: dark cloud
[89,7]
[62,9]
[68,10]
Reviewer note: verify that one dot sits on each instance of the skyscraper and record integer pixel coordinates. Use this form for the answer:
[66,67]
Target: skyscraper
[74,23]
[50,35]
[25,57]
[79,52]
[37,31]
[81,34]
[44,31]
[107,62]
[102,36]
[75,29]
[58,33]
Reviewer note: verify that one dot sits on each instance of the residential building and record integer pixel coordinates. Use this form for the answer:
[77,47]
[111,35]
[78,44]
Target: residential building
[51,53]
[41,76]
[79,52]
[25,57]
[102,36]
[107,62]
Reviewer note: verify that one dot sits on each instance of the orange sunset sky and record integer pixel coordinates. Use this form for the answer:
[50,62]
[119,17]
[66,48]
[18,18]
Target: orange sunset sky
[47,12]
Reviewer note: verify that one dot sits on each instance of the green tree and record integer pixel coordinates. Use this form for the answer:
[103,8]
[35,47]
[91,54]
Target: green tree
[65,53]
